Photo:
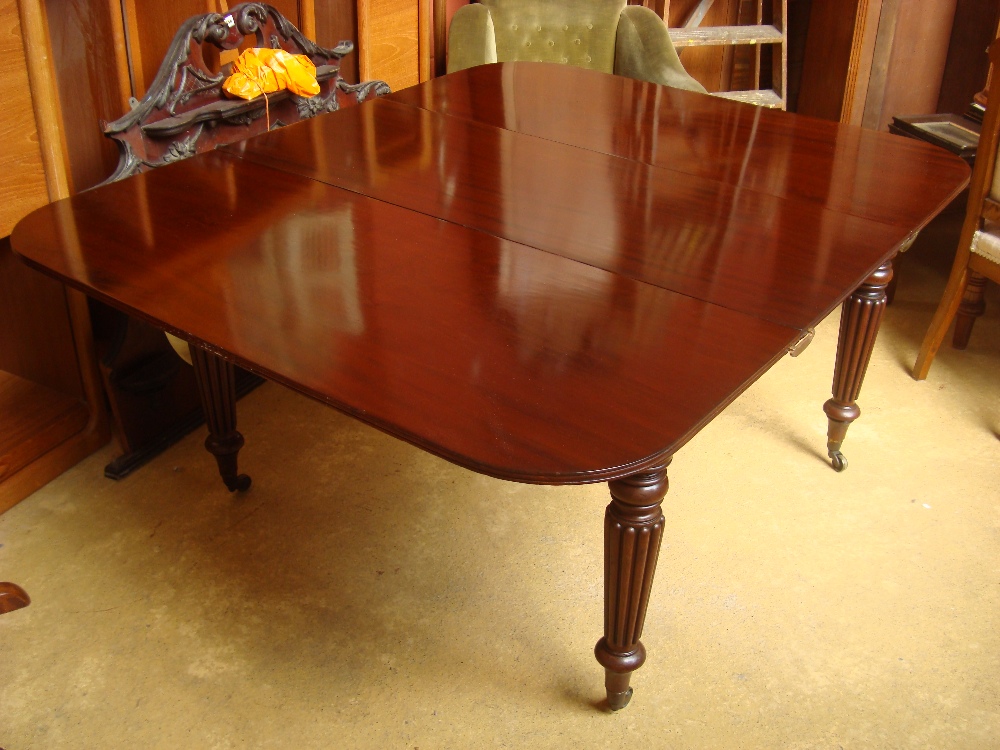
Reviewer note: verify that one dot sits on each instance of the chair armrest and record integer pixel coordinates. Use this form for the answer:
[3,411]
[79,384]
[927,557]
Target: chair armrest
[643,51]
[471,40]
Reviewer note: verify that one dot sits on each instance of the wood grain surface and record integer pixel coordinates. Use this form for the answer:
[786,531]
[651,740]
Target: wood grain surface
[35,419]
[389,42]
[151,28]
[52,408]
[337,20]
[36,335]
[842,168]
[497,356]
[527,308]
[23,187]
[92,78]
[767,252]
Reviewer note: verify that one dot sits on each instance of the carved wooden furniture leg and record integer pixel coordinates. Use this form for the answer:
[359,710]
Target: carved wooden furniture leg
[633,529]
[859,323]
[971,307]
[890,290]
[12,597]
[946,311]
[217,388]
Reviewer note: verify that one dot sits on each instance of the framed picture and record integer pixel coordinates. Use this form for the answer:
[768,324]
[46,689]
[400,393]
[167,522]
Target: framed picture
[956,133]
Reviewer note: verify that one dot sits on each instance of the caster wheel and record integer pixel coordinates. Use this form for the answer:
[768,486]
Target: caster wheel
[838,460]
[618,701]
[240,484]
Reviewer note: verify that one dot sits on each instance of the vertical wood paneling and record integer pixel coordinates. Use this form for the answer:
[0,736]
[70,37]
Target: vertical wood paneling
[828,57]
[150,26]
[52,410]
[36,341]
[55,162]
[290,9]
[868,60]
[425,43]
[389,41]
[965,71]
[337,20]
[23,186]
[839,57]
[307,18]
[880,64]
[917,62]
[89,79]
[862,57]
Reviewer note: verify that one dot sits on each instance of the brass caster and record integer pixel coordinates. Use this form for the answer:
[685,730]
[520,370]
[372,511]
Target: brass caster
[618,701]
[240,484]
[838,460]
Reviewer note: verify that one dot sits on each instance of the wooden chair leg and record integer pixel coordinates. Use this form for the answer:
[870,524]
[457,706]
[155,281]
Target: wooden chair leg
[943,316]
[970,308]
[216,380]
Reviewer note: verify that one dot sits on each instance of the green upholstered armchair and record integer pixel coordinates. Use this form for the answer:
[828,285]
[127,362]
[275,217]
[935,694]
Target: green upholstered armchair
[605,35]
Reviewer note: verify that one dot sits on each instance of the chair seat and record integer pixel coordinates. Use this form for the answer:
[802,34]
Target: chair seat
[987,243]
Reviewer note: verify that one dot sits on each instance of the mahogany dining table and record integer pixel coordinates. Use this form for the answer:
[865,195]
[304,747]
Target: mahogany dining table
[540,273]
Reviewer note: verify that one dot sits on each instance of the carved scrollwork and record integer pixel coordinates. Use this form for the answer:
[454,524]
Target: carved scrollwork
[363,90]
[250,17]
[186,92]
[244,118]
[313,105]
[183,149]
[128,163]
[184,62]
[171,79]
[185,112]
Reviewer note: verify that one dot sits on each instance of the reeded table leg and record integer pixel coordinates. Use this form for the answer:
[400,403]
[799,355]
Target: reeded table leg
[859,324]
[217,388]
[633,529]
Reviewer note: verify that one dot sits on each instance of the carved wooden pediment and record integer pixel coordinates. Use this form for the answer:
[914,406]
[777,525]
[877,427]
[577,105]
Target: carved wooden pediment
[185,111]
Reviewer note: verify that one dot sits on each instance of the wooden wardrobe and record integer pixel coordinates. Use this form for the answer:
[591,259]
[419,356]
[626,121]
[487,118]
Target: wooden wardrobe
[51,406]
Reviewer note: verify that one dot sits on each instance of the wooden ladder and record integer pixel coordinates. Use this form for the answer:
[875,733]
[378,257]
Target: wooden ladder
[773,34]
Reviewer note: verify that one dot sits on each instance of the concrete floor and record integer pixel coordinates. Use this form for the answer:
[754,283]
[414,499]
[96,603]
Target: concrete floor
[366,594]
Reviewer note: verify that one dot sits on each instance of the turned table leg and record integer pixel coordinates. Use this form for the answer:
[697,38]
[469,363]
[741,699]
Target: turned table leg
[633,529]
[859,324]
[217,387]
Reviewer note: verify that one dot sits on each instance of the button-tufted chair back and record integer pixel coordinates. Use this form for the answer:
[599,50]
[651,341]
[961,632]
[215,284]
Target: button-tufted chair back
[604,35]
[578,32]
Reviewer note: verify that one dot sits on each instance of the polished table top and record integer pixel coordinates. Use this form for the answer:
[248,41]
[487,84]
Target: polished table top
[542,273]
